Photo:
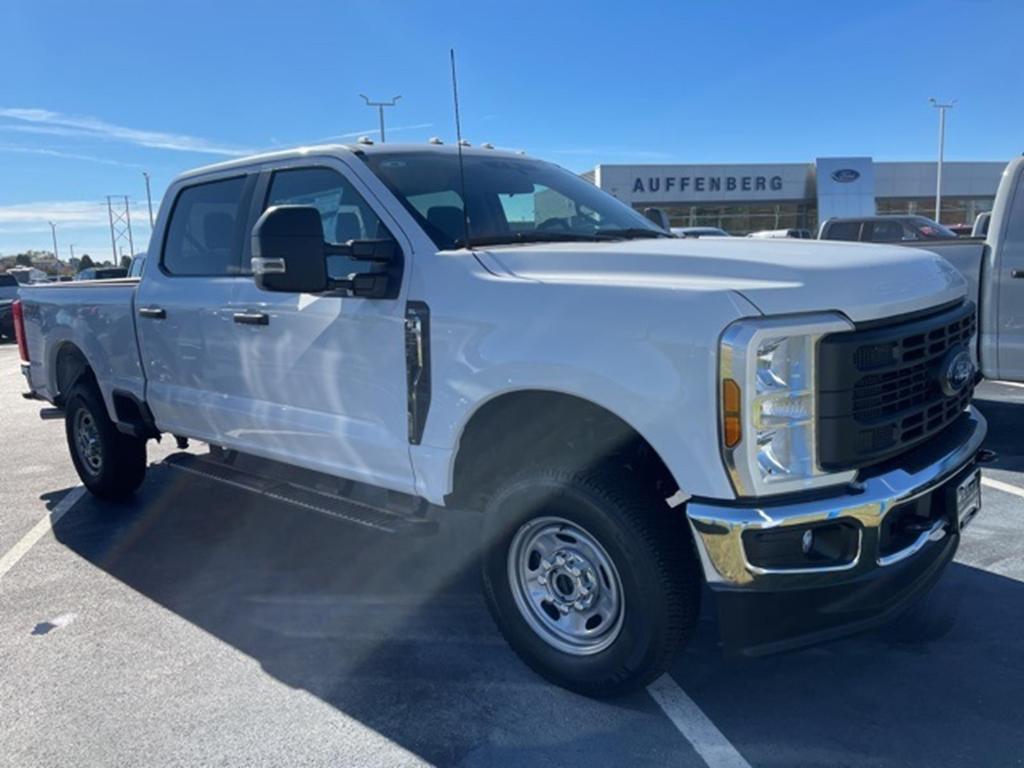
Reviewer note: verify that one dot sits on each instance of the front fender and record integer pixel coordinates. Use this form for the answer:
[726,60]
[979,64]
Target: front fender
[647,356]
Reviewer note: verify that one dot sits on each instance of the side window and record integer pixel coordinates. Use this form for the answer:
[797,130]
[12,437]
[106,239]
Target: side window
[887,232]
[843,230]
[204,235]
[344,214]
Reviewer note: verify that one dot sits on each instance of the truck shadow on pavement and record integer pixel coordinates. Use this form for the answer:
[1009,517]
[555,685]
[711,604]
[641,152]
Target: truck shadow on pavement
[392,632]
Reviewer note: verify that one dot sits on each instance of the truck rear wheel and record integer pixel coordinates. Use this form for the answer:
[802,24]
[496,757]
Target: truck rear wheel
[110,464]
[590,578]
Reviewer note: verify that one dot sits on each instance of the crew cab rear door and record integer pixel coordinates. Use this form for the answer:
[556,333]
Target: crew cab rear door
[322,378]
[183,312]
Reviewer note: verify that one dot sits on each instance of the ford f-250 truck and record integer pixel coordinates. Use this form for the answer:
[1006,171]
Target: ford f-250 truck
[634,415]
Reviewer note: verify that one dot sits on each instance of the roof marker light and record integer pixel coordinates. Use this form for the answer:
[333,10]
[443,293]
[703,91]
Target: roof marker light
[364,140]
[434,140]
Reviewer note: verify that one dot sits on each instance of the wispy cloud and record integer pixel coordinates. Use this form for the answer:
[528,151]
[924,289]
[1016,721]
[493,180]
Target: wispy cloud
[20,217]
[64,155]
[43,121]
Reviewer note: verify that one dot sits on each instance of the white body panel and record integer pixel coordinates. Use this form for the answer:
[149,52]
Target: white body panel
[632,326]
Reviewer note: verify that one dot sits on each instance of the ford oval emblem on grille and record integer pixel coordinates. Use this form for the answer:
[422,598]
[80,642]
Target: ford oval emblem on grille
[845,175]
[957,372]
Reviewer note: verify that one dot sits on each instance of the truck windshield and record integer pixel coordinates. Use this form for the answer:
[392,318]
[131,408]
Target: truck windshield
[510,200]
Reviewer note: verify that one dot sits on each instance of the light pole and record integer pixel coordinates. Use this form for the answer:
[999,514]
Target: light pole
[942,150]
[149,200]
[53,231]
[380,109]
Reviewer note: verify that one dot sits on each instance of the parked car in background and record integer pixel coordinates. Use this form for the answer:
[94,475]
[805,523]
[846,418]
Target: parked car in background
[102,273]
[980,228]
[779,234]
[636,416]
[699,232]
[884,229]
[8,293]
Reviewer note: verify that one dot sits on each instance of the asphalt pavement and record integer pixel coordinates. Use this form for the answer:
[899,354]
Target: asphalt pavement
[202,625]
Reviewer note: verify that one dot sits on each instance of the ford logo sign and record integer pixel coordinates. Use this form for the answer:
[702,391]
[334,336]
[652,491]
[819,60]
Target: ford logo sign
[957,372]
[845,175]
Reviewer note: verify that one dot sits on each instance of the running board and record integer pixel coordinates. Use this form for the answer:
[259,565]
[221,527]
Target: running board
[264,483]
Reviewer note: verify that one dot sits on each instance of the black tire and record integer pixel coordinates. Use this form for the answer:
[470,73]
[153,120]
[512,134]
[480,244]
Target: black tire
[647,542]
[114,464]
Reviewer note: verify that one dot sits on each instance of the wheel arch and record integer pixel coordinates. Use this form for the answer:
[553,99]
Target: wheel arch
[533,425]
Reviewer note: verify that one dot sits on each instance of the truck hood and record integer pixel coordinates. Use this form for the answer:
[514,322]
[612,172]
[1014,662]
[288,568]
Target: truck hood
[865,282]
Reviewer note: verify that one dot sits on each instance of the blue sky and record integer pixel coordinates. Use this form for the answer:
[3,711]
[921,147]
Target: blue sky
[95,93]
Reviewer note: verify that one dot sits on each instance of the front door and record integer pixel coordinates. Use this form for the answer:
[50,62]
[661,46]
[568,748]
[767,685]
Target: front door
[324,377]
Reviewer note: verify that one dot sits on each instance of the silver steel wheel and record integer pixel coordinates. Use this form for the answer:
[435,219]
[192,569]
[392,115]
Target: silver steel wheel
[87,441]
[566,586]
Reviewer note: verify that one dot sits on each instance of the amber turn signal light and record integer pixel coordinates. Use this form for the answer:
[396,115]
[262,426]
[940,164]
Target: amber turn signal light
[732,429]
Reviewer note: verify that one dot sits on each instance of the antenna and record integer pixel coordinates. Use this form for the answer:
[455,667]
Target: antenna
[462,169]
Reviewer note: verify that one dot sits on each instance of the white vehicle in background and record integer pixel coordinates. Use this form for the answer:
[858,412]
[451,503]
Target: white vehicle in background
[699,232]
[781,234]
[981,222]
[635,415]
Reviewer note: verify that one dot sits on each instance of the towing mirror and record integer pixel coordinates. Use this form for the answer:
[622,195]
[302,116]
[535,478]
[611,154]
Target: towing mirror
[289,255]
[288,250]
[659,217]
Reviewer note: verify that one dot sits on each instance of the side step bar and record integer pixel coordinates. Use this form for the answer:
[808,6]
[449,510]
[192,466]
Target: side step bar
[266,478]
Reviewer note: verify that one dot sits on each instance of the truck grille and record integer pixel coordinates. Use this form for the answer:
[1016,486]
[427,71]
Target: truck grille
[881,387]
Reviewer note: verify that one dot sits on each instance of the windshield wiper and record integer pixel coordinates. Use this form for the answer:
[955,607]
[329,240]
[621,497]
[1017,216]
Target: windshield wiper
[516,238]
[631,233]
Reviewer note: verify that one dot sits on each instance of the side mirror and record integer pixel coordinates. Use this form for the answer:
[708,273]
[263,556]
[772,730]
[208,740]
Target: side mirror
[288,250]
[659,217]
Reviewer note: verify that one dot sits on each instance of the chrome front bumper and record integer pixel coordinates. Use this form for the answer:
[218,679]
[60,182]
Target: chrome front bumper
[718,528]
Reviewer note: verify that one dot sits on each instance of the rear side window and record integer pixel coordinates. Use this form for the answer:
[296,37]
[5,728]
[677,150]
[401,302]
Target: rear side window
[8,281]
[843,230]
[204,236]
[887,232]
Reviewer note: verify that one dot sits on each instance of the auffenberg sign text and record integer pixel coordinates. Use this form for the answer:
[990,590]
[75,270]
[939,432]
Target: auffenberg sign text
[652,184]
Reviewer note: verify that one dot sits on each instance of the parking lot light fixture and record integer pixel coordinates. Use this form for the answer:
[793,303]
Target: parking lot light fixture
[942,148]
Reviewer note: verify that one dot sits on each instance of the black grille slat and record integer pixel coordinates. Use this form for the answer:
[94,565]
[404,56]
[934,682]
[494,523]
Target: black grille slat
[880,388]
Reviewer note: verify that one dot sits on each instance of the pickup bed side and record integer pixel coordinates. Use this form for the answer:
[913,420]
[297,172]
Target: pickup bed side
[69,324]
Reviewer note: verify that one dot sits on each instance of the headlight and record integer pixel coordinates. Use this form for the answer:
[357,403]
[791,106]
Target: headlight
[768,403]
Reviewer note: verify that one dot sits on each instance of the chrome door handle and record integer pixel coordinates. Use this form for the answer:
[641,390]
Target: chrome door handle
[153,313]
[252,318]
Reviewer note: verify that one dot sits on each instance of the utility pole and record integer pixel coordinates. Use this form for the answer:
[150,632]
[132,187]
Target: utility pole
[149,200]
[120,224]
[72,251]
[942,150]
[53,231]
[380,109]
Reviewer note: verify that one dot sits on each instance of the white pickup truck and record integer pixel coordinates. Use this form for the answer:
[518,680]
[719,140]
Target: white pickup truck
[634,415]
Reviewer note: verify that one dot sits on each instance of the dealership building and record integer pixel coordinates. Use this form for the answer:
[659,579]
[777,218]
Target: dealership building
[747,198]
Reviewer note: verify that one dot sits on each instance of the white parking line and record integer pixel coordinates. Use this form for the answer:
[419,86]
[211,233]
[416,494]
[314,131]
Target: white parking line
[40,529]
[999,485]
[695,726]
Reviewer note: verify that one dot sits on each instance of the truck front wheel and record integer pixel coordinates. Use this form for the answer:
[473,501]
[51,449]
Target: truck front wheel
[590,577]
[110,464]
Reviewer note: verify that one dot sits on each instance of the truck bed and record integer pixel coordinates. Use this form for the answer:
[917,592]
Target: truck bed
[966,254]
[96,317]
